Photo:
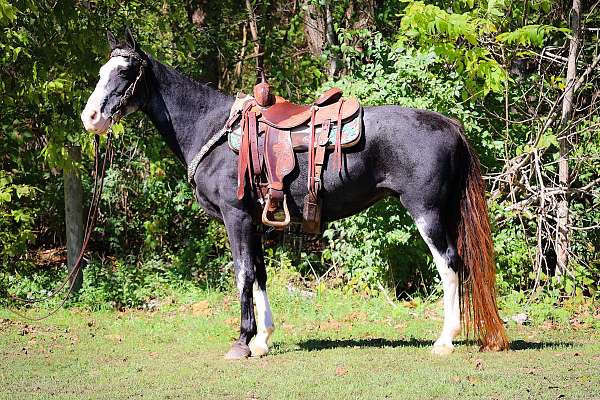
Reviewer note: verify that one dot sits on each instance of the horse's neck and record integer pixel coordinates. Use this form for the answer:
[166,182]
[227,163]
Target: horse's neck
[185,112]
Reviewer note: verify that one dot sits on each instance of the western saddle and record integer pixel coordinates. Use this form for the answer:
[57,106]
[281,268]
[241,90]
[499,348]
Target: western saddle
[266,130]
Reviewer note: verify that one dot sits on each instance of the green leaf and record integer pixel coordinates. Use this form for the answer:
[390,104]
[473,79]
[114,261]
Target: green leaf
[23,190]
[5,197]
[529,35]
[496,8]
[546,140]
[117,129]
[8,13]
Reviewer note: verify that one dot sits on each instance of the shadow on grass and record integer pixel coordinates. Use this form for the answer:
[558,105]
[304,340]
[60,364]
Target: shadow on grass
[325,344]
[518,345]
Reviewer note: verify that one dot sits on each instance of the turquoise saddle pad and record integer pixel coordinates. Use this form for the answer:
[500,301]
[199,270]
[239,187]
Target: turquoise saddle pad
[351,131]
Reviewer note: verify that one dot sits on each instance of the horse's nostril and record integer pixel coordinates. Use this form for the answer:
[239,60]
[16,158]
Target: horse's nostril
[94,115]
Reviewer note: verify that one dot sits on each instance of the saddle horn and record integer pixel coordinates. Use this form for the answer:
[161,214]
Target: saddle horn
[262,91]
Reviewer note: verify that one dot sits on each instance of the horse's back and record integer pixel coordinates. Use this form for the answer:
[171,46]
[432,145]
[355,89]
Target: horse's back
[411,153]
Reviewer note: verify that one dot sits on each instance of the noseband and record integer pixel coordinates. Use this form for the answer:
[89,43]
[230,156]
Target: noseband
[117,115]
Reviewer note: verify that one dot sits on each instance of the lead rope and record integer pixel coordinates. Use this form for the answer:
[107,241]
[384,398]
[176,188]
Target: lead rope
[89,227]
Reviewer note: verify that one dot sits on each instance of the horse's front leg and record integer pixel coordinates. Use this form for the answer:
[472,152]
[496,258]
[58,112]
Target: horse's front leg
[264,320]
[250,275]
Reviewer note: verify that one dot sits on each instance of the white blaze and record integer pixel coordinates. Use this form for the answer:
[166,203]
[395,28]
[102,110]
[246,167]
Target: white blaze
[92,118]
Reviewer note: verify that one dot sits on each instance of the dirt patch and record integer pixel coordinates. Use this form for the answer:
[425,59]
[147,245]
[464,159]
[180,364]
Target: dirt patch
[201,308]
[355,316]
[47,258]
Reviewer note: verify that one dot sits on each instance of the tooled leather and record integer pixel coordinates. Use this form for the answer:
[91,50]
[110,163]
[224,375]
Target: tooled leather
[338,138]
[275,148]
[329,97]
[320,156]
[311,152]
[279,157]
[243,159]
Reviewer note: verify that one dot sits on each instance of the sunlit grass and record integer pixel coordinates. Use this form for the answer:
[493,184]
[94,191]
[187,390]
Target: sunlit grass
[333,346]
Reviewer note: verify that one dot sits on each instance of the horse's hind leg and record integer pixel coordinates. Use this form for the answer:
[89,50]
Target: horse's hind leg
[435,233]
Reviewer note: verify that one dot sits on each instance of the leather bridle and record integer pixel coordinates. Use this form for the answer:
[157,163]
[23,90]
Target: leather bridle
[118,114]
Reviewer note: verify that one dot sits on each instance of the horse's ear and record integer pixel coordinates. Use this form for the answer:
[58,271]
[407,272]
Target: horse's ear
[130,39]
[112,42]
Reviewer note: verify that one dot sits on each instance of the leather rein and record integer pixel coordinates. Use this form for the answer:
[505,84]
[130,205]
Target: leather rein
[99,175]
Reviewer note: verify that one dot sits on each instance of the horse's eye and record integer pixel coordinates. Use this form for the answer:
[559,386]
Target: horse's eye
[123,73]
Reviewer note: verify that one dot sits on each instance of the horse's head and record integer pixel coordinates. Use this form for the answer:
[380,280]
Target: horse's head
[121,87]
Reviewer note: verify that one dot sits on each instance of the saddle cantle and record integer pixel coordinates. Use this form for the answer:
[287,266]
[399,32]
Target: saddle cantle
[266,130]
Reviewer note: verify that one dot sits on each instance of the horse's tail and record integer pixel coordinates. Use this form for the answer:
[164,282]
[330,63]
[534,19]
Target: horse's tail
[477,275]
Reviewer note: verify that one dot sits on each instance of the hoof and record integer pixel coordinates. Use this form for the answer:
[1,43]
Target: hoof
[258,349]
[238,351]
[442,350]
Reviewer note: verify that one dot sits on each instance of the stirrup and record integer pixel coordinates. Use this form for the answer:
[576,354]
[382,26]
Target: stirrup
[275,223]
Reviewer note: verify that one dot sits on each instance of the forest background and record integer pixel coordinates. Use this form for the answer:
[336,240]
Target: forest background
[522,76]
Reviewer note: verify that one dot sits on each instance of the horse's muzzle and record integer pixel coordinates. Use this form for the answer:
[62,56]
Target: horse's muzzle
[94,121]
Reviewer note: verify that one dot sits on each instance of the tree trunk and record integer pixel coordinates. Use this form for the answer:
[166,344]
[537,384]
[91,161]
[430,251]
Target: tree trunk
[361,14]
[74,216]
[319,30]
[314,27]
[331,40]
[237,75]
[258,45]
[201,13]
[562,229]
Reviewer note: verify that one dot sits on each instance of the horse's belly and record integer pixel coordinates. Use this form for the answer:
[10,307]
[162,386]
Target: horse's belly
[344,194]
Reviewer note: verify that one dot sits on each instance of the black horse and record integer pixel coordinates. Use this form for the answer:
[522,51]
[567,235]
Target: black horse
[418,156]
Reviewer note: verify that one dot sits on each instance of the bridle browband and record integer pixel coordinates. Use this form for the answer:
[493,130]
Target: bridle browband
[118,114]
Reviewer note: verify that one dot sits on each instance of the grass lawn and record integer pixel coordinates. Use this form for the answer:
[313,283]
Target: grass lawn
[333,346]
